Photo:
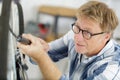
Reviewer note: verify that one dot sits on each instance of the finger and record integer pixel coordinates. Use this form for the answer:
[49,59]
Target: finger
[22,47]
[45,44]
[21,51]
[42,41]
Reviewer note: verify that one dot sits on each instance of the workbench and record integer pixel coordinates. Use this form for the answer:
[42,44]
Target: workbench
[56,12]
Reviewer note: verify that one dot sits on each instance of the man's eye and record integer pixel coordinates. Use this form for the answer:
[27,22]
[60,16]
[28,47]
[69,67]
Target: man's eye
[86,31]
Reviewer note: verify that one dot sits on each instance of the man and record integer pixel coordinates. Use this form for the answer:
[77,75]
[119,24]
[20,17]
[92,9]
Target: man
[92,53]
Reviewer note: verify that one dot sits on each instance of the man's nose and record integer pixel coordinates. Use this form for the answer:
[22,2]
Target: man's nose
[80,36]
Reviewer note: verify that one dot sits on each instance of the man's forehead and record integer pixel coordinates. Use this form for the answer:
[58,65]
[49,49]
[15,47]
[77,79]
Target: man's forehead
[87,24]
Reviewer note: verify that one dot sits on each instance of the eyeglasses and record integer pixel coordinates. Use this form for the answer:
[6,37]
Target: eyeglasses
[86,34]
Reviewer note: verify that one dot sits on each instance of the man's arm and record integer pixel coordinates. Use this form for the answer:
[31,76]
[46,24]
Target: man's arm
[37,51]
[59,48]
[48,68]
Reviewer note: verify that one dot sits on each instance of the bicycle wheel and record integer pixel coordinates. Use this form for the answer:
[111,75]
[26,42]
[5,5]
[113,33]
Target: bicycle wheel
[4,23]
[17,26]
[11,60]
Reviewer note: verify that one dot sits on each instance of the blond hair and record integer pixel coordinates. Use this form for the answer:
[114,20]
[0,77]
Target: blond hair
[101,13]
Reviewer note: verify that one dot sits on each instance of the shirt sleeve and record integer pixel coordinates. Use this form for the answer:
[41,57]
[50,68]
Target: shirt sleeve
[59,47]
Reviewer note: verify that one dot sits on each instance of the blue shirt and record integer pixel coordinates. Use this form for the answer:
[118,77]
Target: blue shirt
[103,66]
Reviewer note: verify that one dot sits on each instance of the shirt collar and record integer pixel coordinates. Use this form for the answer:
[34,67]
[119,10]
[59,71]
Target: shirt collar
[106,51]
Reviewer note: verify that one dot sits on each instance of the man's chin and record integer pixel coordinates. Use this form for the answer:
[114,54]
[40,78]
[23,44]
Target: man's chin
[81,51]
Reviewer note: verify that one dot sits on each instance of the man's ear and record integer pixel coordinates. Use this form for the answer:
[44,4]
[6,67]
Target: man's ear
[108,36]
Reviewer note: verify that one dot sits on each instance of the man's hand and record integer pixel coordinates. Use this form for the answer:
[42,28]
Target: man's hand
[36,48]
[38,51]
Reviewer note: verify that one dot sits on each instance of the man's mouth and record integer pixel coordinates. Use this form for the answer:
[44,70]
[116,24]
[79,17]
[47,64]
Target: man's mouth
[80,45]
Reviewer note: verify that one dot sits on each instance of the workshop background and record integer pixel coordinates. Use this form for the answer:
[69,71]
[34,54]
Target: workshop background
[50,19]
[43,25]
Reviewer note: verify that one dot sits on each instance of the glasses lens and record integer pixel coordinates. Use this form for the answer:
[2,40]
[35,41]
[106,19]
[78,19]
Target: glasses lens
[86,34]
[75,29]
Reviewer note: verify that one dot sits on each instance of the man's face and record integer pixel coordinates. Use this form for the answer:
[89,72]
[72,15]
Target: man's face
[91,46]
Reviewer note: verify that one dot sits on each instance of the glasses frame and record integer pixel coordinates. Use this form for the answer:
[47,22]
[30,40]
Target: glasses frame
[85,31]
